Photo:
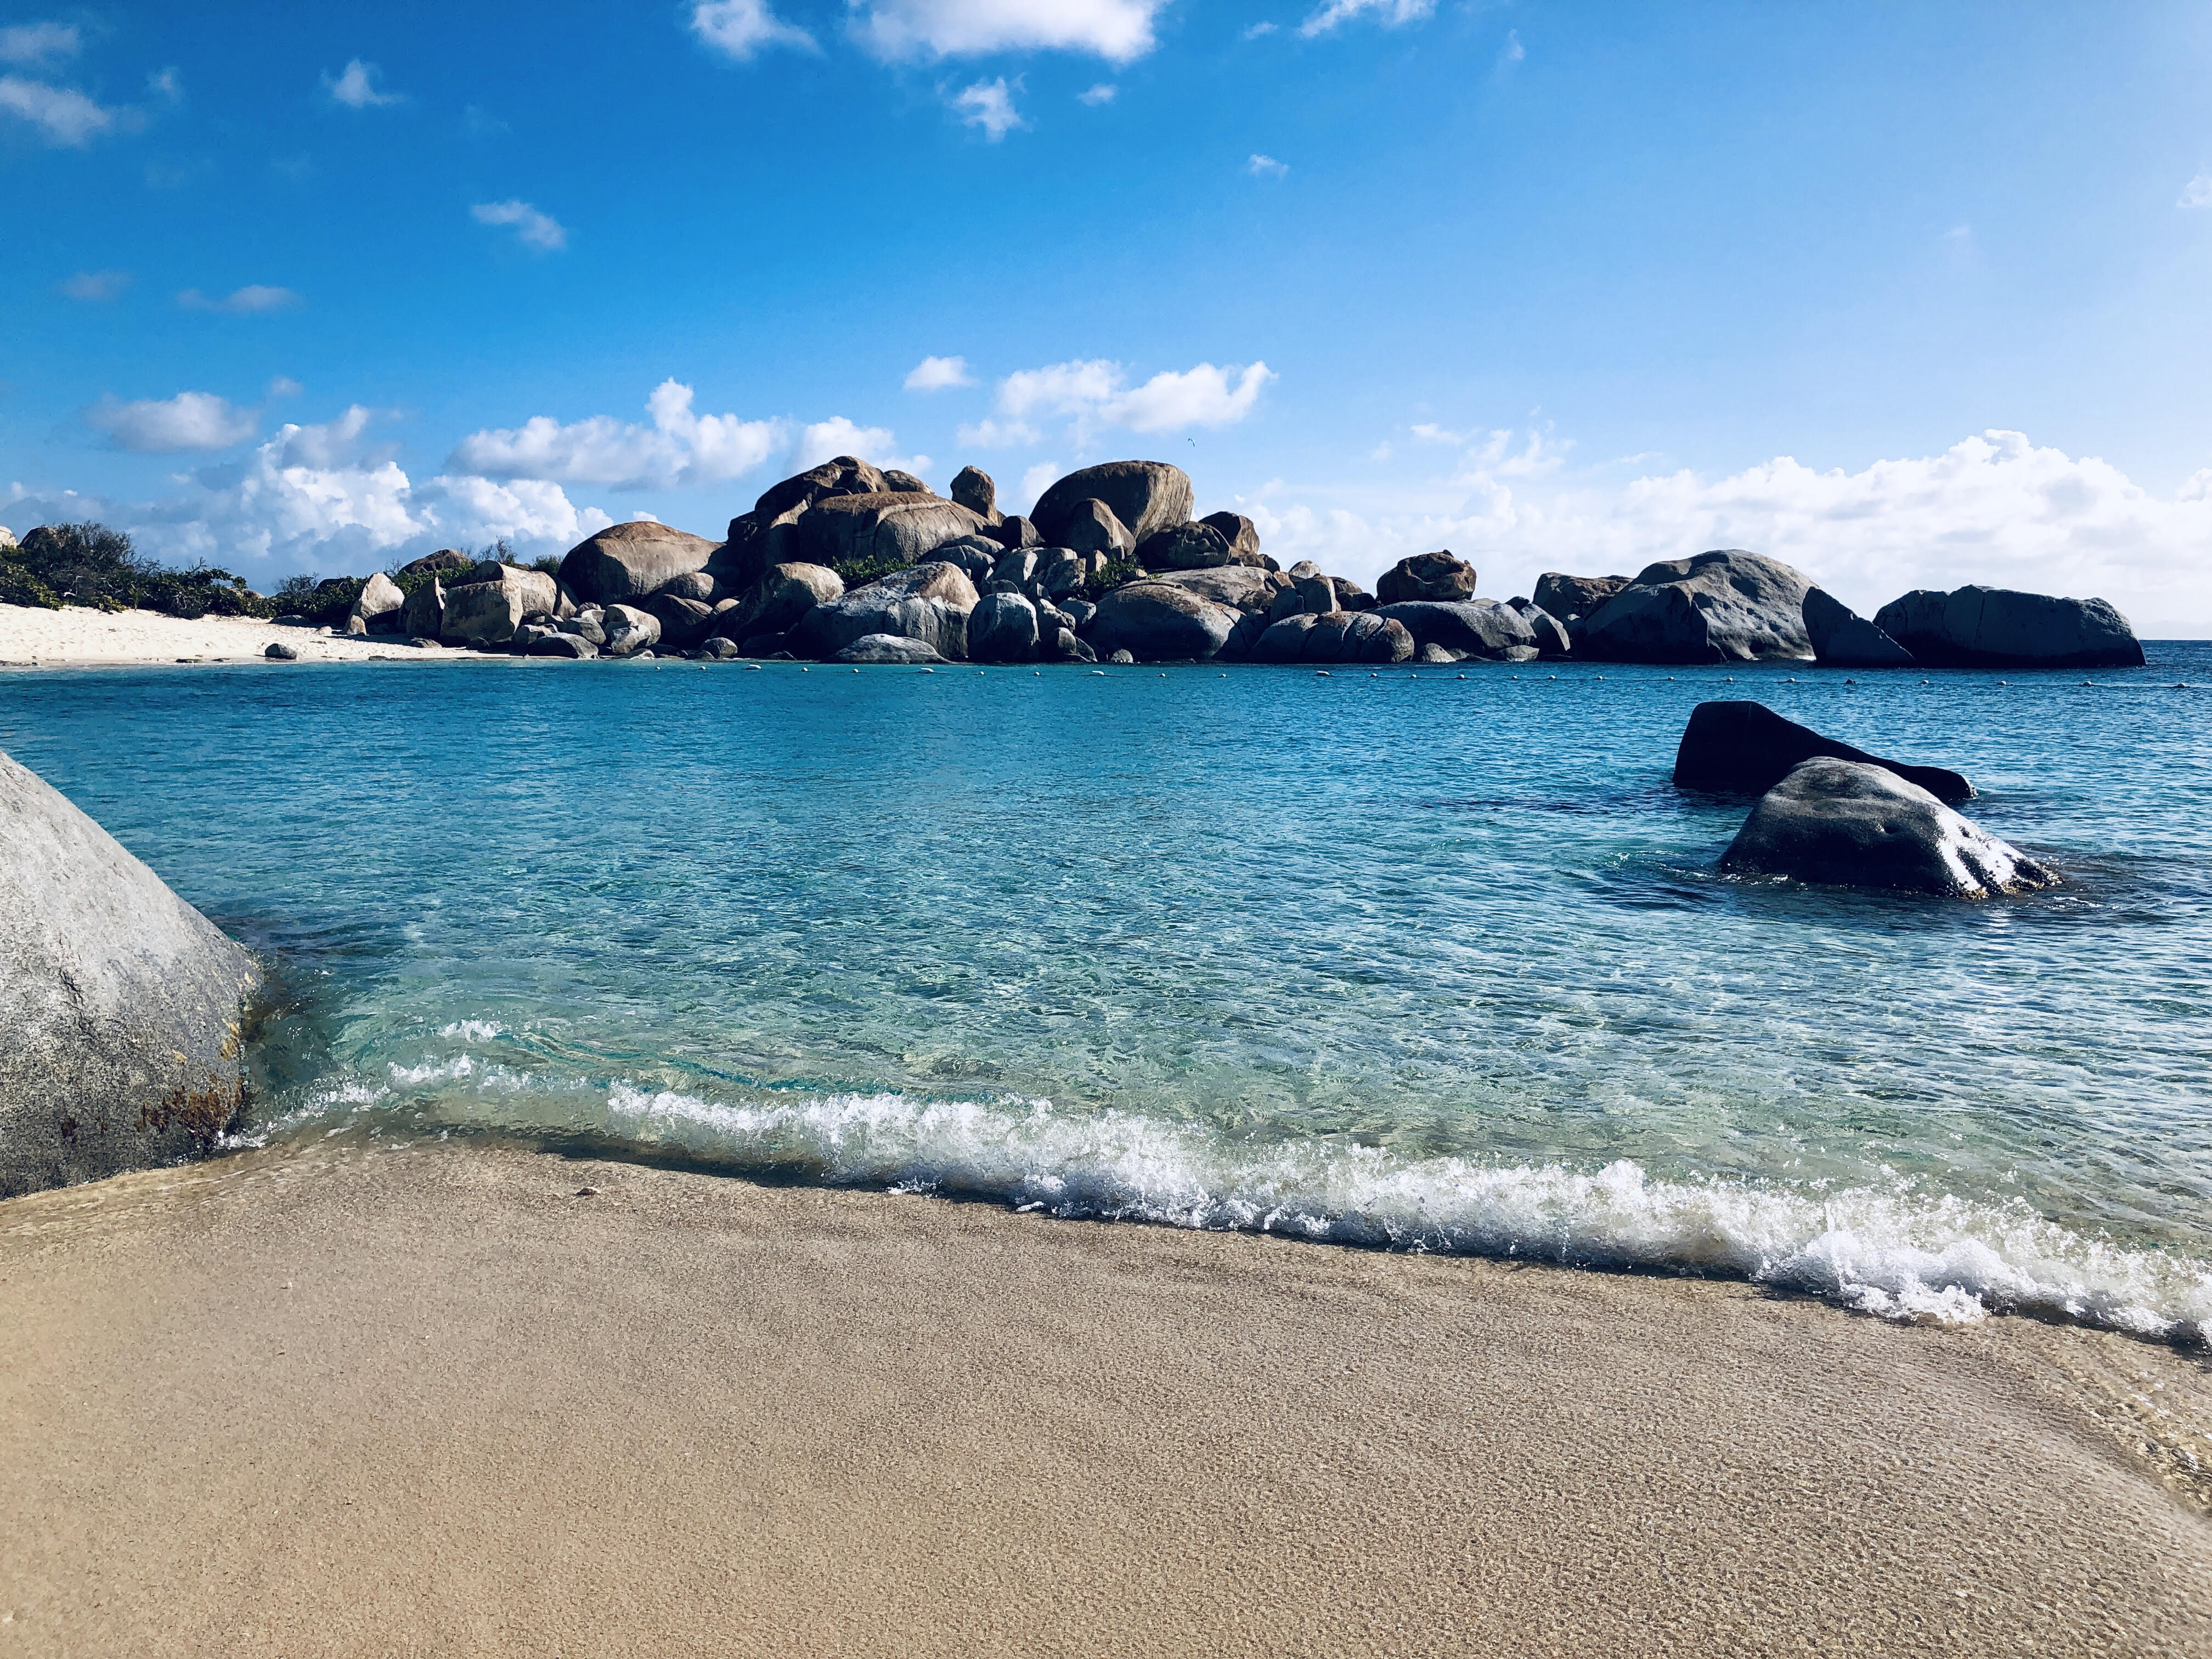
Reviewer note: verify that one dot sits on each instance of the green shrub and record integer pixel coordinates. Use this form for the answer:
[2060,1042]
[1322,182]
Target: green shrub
[1120,570]
[20,585]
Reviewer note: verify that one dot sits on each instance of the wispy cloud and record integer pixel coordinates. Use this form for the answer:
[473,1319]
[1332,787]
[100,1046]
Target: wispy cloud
[1119,31]
[1259,31]
[1512,52]
[40,46]
[539,230]
[989,104]
[1101,93]
[172,426]
[1391,13]
[250,300]
[740,28]
[1266,167]
[357,88]
[937,374]
[1094,395]
[2197,192]
[64,115]
[92,286]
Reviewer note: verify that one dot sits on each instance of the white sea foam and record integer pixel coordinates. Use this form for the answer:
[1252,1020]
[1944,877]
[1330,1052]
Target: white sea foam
[1898,1251]
[474,1030]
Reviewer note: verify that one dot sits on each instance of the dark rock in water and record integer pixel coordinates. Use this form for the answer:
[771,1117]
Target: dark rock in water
[886,648]
[1239,531]
[1185,547]
[1846,824]
[1725,606]
[626,561]
[1144,495]
[1437,656]
[1552,640]
[1745,748]
[1074,649]
[1977,627]
[121,1006]
[282,652]
[1569,599]
[563,645]
[1426,576]
[1843,639]
[761,647]
[1002,628]
[721,649]
[1092,526]
[1121,657]
[973,488]
[1161,621]
[928,602]
[1478,628]
[905,483]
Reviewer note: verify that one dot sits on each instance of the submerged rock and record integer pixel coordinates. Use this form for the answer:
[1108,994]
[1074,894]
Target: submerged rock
[1976,627]
[1747,748]
[1846,824]
[121,1006]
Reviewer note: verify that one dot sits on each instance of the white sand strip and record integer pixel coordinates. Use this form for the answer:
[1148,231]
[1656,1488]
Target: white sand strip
[30,634]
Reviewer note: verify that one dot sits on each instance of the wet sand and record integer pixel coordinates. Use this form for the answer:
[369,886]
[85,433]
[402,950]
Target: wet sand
[352,1400]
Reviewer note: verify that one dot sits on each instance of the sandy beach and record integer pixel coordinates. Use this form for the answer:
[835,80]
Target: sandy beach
[430,1400]
[30,634]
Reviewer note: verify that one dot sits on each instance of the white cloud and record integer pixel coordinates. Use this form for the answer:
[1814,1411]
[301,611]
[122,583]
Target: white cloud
[742,27]
[167,85]
[1267,167]
[246,302]
[1994,508]
[935,373]
[1119,31]
[1094,395]
[91,285]
[1104,93]
[679,447]
[539,230]
[1392,14]
[1495,455]
[1513,52]
[838,437]
[2197,192]
[1259,30]
[170,426]
[40,46]
[356,87]
[64,115]
[998,434]
[1035,482]
[990,105]
[285,386]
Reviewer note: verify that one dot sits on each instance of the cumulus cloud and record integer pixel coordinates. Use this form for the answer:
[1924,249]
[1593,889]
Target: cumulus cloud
[935,373]
[2197,192]
[836,437]
[356,87]
[250,300]
[95,285]
[65,116]
[1259,31]
[742,27]
[1266,167]
[990,105]
[1994,508]
[171,426]
[1094,395]
[1391,13]
[1119,31]
[40,46]
[678,446]
[1104,93]
[539,230]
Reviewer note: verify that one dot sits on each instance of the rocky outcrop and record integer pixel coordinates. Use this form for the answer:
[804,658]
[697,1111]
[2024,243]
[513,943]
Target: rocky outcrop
[1552,640]
[864,533]
[1335,637]
[887,649]
[1146,496]
[1473,627]
[929,602]
[489,612]
[780,599]
[627,562]
[682,621]
[446,561]
[121,1006]
[1976,627]
[973,488]
[1570,598]
[1841,638]
[1846,824]
[628,630]
[904,484]
[1239,531]
[1747,748]
[1160,622]
[1244,587]
[1438,576]
[423,616]
[380,605]
[1091,527]
[1725,606]
[1191,546]
[1002,628]
[572,646]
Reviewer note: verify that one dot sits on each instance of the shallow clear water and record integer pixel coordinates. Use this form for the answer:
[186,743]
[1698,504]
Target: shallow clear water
[1432,957]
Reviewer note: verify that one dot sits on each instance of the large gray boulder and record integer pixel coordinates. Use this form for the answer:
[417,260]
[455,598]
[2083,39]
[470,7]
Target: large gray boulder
[1723,607]
[1160,622]
[886,650]
[1352,636]
[489,612]
[973,488]
[1474,628]
[929,602]
[1570,598]
[1246,587]
[683,622]
[626,561]
[780,599]
[379,608]
[628,630]
[1841,638]
[122,1008]
[1745,748]
[1002,628]
[1144,495]
[1976,627]
[1193,546]
[1846,823]
[1552,640]
[423,616]
[890,529]
[1091,527]
[1436,576]
[1239,531]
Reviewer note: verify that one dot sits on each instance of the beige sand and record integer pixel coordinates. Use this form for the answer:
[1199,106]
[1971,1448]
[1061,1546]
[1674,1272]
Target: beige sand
[429,1400]
[29,633]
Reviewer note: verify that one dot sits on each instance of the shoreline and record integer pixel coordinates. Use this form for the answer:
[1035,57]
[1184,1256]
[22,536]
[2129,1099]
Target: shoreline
[351,1397]
[79,637]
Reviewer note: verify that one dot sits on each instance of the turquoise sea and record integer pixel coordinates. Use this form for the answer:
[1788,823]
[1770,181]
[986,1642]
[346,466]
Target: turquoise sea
[1428,958]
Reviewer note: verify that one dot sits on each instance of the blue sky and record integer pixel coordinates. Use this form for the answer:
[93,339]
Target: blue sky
[1907,295]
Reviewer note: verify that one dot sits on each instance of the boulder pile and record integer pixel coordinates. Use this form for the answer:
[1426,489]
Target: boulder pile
[1112,561]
